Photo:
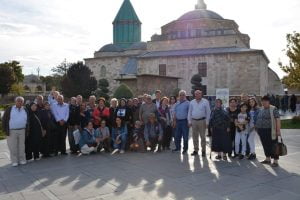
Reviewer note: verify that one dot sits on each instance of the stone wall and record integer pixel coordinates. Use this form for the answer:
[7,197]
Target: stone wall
[197,43]
[274,84]
[244,72]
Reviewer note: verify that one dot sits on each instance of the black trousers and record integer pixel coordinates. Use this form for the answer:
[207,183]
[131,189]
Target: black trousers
[60,138]
[265,135]
[154,142]
[46,142]
[32,147]
[167,137]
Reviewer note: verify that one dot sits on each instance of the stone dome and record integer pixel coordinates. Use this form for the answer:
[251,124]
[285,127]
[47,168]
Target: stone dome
[138,46]
[200,14]
[111,48]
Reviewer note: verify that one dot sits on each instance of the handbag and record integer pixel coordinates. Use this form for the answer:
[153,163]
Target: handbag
[280,148]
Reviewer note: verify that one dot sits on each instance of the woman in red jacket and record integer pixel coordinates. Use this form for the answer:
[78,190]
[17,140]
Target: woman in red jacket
[100,113]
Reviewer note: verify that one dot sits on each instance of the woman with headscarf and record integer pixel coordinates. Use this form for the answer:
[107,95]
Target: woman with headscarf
[34,138]
[220,127]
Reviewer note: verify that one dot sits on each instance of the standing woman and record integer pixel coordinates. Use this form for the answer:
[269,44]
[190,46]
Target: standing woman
[173,101]
[100,113]
[85,116]
[112,111]
[220,128]
[165,120]
[293,102]
[34,138]
[233,112]
[119,135]
[252,132]
[125,114]
[268,128]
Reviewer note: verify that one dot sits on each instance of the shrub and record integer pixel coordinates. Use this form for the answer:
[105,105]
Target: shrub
[123,91]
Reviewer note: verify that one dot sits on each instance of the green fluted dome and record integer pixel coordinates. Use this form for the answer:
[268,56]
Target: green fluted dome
[127,26]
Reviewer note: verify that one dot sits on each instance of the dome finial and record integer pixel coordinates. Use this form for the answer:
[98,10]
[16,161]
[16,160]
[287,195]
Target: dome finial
[201,5]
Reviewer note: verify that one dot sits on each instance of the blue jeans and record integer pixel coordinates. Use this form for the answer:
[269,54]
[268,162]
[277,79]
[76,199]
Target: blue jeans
[122,145]
[182,130]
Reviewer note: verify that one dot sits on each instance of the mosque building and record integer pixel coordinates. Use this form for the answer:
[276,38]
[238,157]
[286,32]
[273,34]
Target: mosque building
[198,42]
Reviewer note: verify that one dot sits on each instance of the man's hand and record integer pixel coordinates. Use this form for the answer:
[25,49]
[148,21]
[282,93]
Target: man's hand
[160,138]
[61,122]
[228,130]
[190,125]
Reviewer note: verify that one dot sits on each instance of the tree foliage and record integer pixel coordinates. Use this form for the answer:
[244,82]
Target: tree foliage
[196,83]
[61,69]
[78,80]
[17,89]
[52,81]
[123,91]
[7,79]
[292,79]
[102,90]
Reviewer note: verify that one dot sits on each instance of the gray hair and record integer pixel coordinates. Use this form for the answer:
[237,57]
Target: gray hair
[19,98]
[182,91]
[60,96]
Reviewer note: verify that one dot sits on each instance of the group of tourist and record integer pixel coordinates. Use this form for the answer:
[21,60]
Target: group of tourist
[40,128]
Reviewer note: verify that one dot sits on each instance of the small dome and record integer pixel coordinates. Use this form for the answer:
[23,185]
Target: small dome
[111,48]
[138,46]
[200,14]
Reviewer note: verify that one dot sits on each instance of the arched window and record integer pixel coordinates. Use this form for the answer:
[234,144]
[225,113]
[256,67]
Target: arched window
[103,71]
[39,88]
[26,88]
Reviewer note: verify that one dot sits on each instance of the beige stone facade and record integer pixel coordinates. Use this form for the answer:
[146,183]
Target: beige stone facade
[170,59]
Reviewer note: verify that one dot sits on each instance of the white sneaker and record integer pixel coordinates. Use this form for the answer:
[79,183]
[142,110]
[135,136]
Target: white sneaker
[23,162]
[122,151]
[14,164]
[115,151]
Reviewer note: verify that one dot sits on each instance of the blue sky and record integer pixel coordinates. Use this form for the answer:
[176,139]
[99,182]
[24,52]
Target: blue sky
[42,33]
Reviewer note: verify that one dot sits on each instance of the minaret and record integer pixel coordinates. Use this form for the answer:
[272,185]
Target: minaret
[127,26]
[201,5]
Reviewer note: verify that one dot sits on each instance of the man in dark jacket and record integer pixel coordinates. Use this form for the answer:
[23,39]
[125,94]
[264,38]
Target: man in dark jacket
[15,125]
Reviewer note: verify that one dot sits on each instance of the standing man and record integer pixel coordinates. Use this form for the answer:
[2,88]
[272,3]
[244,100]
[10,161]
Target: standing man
[198,117]
[15,126]
[146,109]
[60,111]
[40,103]
[157,98]
[181,122]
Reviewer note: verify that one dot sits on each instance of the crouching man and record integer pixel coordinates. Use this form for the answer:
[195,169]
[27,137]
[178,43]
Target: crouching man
[153,133]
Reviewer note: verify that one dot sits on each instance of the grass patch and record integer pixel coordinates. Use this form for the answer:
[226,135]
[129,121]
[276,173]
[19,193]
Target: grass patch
[2,134]
[291,123]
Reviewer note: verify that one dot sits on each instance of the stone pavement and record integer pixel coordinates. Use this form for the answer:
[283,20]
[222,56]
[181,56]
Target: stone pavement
[152,176]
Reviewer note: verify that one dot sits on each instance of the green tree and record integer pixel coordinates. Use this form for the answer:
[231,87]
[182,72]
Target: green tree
[78,80]
[17,70]
[292,79]
[17,88]
[62,68]
[52,81]
[102,90]
[7,79]
[123,91]
[197,83]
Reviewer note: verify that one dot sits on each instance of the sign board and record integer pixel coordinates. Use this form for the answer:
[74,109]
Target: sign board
[223,94]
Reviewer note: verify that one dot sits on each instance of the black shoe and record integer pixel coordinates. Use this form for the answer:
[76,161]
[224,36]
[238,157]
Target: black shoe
[195,153]
[218,157]
[241,157]
[203,154]
[184,152]
[63,153]
[252,157]
[266,162]
[175,150]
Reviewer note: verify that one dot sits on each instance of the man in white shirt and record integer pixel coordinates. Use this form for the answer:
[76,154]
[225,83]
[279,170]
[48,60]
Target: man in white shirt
[14,122]
[198,118]
[60,111]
